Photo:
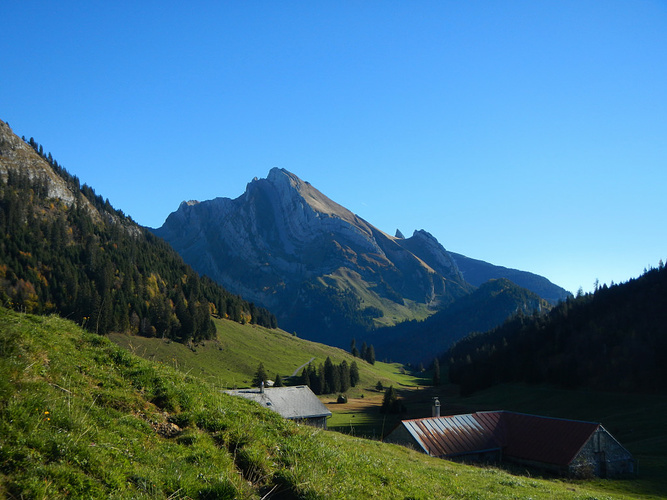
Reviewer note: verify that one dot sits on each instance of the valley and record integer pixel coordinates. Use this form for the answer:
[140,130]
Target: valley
[635,419]
[73,403]
[114,349]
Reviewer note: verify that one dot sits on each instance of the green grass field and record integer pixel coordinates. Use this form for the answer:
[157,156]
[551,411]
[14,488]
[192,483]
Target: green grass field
[232,359]
[81,417]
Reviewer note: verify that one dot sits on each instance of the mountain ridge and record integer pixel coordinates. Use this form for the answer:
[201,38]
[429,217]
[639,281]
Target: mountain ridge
[321,268]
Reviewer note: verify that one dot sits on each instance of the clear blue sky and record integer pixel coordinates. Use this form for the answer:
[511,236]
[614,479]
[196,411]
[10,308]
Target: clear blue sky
[530,134]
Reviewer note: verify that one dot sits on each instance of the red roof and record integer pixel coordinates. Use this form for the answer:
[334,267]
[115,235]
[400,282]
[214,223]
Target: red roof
[529,437]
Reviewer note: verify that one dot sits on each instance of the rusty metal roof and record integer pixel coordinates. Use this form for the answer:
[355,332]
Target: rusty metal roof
[529,437]
[454,435]
[544,439]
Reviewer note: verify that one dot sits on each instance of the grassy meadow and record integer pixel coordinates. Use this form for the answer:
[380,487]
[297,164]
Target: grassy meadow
[81,417]
[231,360]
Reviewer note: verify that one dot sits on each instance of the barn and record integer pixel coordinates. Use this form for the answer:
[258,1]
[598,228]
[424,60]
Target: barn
[297,403]
[565,447]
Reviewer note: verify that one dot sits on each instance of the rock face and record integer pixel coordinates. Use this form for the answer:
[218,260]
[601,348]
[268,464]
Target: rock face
[326,273]
[17,156]
[287,246]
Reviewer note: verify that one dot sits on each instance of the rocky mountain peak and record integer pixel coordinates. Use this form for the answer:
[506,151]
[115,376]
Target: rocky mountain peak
[283,234]
[17,156]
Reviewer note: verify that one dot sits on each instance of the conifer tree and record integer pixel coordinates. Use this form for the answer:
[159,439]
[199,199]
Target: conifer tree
[354,374]
[370,355]
[353,348]
[390,402]
[260,376]
[344,375]
[279,381]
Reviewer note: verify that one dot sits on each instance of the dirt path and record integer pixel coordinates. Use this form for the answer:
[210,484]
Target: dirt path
[296,372]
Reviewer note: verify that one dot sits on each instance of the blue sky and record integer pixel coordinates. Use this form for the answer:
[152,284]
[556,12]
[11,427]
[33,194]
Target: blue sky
[528,134]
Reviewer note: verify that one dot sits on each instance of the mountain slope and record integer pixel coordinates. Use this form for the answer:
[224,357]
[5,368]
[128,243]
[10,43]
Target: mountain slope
[613,340]
[477,272]
[66,250]
[318,266]
[485,308]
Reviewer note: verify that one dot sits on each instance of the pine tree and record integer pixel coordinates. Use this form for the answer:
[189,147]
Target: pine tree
[331,377]
[260,376]
[344,371]
[354,374]
[305,377]
[370,354]
[390,402]
[353,348]
[279,381]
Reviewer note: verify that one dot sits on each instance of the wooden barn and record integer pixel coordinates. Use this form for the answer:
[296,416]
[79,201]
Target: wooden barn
[565,447]
[294,403]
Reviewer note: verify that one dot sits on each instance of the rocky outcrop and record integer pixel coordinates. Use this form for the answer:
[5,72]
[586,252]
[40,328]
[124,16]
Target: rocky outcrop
[18,157]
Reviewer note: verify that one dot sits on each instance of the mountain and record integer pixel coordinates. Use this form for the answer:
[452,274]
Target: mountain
[318,266]
[66,250]
[485,308]
[611,340]
[477,272]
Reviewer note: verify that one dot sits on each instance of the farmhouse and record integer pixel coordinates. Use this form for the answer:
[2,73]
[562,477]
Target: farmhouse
[566,447]
[293,403]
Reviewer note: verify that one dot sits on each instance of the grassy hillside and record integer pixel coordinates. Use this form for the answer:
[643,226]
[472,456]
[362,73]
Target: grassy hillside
[636,420]
[82,417]
[232,358]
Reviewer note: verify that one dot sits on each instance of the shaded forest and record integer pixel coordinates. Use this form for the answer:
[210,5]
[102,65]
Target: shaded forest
[614,339]
[485,308]
[107,275]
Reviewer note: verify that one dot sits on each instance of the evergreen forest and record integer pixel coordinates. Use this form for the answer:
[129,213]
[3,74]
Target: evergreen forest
[104,272]
[614,339]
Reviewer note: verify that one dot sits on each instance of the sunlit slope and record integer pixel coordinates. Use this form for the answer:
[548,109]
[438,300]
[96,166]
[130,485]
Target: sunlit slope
[81,417]
[232,359]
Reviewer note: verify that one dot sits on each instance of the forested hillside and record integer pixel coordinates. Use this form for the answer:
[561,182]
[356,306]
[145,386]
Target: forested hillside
[485,308]
[614,339]
[77,256]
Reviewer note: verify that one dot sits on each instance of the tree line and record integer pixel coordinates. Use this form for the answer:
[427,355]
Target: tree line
[330,378]
[108,275]
[367,352]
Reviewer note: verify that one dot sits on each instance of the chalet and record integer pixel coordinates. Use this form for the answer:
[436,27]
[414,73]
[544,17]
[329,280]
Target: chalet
[565,447]
[293,403]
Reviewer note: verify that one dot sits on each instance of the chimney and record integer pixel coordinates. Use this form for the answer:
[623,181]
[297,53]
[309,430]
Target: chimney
[436,408]
[261,388]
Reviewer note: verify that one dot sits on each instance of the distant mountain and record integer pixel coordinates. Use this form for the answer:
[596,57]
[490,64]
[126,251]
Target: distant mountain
[485,308]
[612,340]
[326,273]
[477,272]
[318,266]
[66,250]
